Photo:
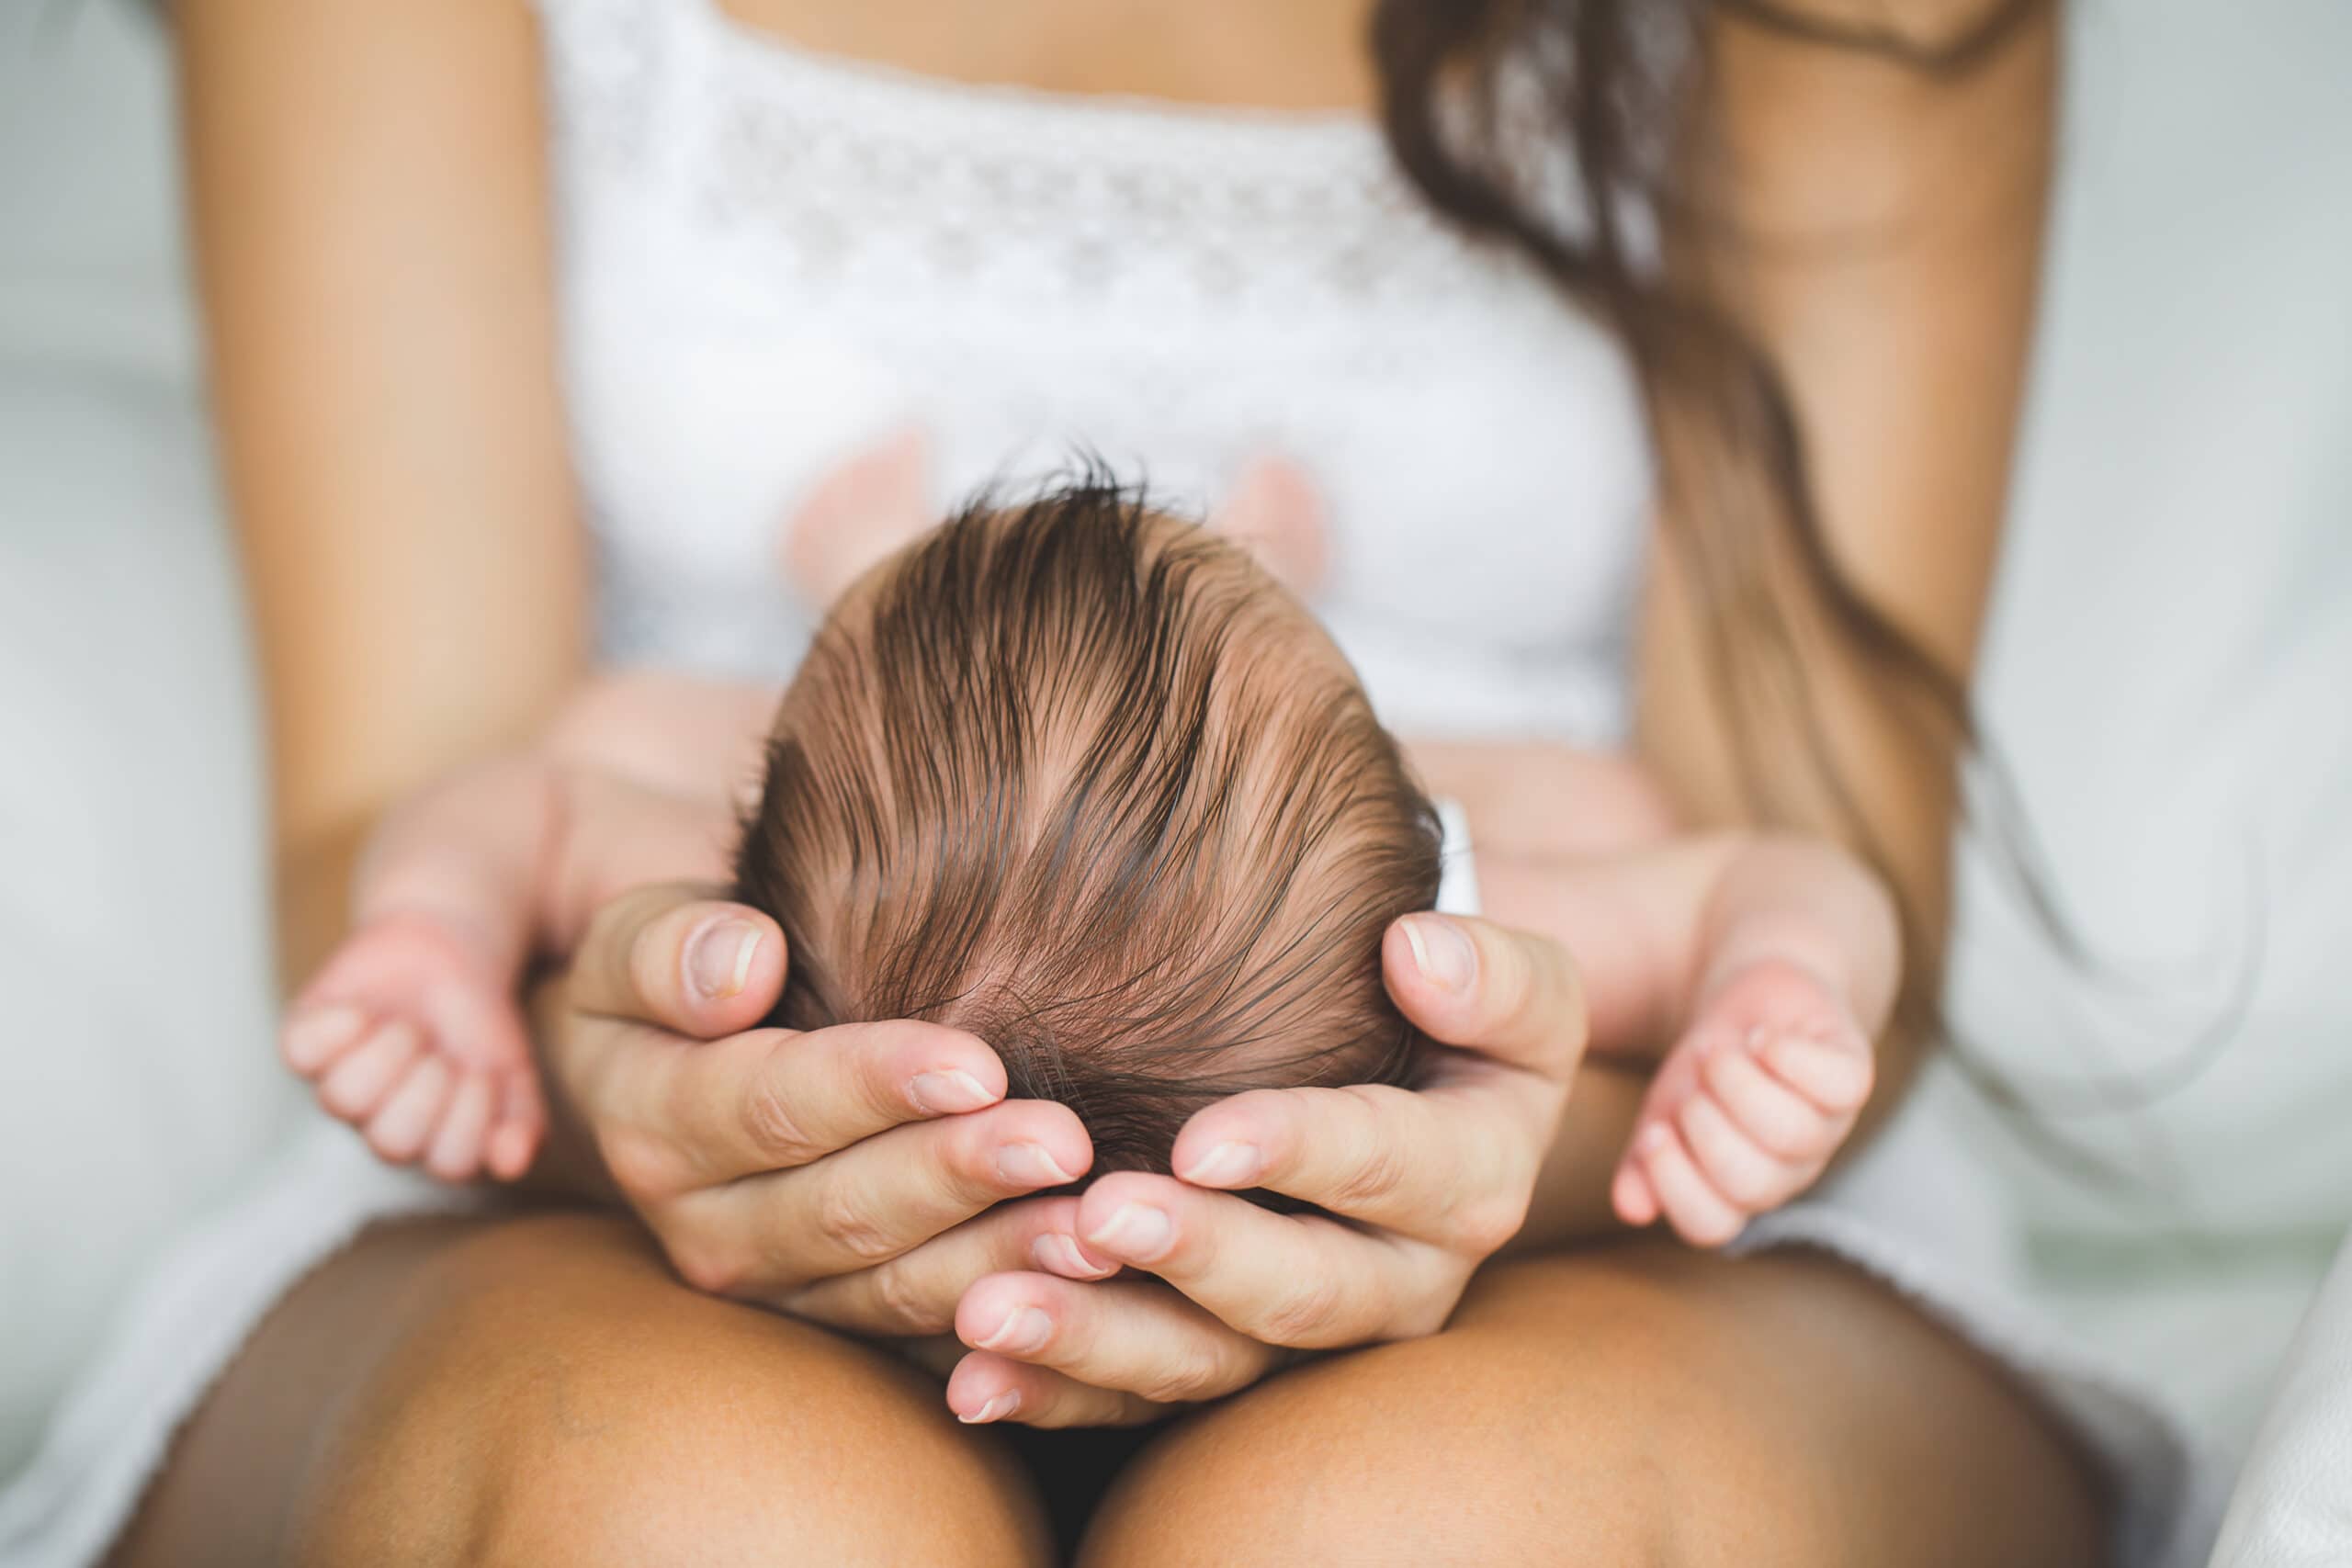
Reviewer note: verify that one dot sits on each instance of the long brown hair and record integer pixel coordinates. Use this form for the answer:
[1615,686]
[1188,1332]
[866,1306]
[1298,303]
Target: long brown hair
[1617,88]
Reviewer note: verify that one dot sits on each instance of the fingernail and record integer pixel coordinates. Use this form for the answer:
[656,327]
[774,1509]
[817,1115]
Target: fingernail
[719,958]
[1137,1231]
[1226,1164]
[315,1036]
[1442,953]
[1058,1254]
[996,1409]
[944,1094]
[1028,1164]
[1023,1330]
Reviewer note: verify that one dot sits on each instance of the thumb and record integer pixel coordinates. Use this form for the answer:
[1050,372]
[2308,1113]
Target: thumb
[1507,994]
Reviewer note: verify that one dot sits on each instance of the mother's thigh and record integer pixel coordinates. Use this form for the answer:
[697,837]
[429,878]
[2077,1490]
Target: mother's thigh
[1642,1404]
[538,1390]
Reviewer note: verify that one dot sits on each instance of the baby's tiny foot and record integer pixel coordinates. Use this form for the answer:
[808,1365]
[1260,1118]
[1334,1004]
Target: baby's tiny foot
[409,1036]
[1746,1111]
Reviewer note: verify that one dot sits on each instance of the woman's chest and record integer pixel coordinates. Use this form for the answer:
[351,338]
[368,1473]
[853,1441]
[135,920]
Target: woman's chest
[764,288]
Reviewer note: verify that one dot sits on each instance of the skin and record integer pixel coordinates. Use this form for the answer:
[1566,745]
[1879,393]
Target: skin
[1617,1405]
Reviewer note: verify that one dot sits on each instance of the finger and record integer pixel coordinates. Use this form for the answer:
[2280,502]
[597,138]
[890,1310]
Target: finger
[355,1086]
[1382,1155]
[313,1037]
[1733,1163]
[1837,1078]
[1506,994]
[769,1235]
[1631,1195]
[409,1114]
[686,1116]
[1783,1121]
[1133,1335]
[668,956]
[1676,1079]
[985,1389]
[456,1150]
[522,1120]
[1697,1212]
[917,1292]
[1283,1278]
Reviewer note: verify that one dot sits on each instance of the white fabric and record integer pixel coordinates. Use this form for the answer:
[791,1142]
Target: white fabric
[2167,670]
[2194,357]
[772,261]
[2293,1503]
[1916,1210]
[137,1087]
[1457,876]
[174,1333]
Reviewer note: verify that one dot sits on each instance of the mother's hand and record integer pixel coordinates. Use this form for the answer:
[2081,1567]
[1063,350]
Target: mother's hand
[845,1164]
[1426,1184]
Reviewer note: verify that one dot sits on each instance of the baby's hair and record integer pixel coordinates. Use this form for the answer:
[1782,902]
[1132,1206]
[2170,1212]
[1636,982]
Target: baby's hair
[1075,776]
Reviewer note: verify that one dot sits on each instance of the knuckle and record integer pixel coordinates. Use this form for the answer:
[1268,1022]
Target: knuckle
[1484,1225]
[1377,1173]
[900,1301]
[638,1164]
[1748,1187]
[1799,1138]
[772,1126]
[703,1263]
[1865,1081]
[1191,1371]
[1715,1229]
[845,1218]
[1305,1316]
[1429,1315]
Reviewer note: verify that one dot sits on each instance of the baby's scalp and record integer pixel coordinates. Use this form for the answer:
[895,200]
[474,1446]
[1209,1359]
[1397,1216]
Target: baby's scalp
[1075,775]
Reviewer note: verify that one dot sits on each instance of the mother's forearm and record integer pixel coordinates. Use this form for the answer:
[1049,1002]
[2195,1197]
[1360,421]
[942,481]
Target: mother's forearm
[1571,1201]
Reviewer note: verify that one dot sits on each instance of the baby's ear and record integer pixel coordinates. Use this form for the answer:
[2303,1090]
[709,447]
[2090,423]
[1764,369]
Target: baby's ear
[1277,513]
[870,506]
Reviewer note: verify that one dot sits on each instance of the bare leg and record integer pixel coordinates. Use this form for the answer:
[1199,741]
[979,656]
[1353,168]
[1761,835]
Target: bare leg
[538,1390]
[1638,1406]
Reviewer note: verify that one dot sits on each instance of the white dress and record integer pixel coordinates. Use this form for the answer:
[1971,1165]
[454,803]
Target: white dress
[772,262]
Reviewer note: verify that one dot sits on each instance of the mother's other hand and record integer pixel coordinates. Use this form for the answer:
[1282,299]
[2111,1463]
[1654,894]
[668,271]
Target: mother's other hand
[1426,1183]
[771,1163]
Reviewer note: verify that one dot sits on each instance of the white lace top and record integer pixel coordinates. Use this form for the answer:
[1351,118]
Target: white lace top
[773,261]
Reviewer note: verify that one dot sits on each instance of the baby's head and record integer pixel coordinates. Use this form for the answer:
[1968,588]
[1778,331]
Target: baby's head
[1079,778]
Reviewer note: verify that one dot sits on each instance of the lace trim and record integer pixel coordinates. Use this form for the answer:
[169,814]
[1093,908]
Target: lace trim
[846,169]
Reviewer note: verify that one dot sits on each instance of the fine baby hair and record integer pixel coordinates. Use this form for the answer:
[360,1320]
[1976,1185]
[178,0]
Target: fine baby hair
[1078,776]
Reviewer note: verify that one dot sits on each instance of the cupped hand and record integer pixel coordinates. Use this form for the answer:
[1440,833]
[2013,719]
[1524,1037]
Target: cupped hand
[1421,1186]
[839,1172]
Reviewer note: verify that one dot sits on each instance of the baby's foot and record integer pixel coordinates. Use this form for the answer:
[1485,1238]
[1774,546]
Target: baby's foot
[411,1034]
[1747,1109]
